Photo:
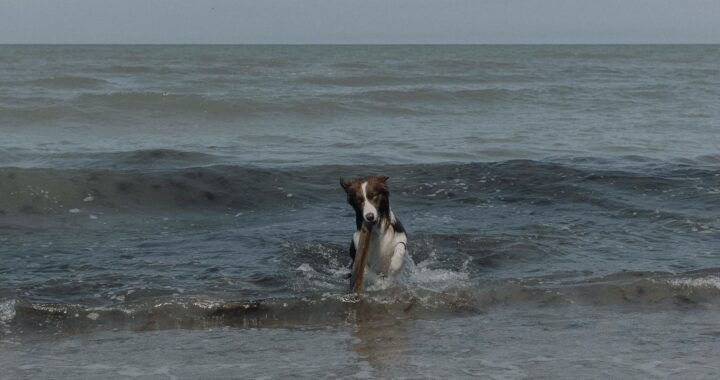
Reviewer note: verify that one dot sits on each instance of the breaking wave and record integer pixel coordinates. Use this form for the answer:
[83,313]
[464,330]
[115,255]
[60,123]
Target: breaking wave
[171,179]
[623,291]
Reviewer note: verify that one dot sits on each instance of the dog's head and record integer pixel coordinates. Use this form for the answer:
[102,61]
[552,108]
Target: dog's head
[369,197]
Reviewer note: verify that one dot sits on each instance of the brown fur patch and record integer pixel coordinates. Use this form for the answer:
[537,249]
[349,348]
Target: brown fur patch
[376,191]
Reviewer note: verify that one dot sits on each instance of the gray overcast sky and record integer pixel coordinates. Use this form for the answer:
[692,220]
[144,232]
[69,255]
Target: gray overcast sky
[360,21]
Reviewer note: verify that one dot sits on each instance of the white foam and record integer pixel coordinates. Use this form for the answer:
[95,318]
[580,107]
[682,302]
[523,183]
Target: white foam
[305,267]
[702,282]
[7,311]
[206,304]
[120,297]
[131,372]
[435,279]
[426,275]
[374,282]
[338,272]
[651,368]
[420,276]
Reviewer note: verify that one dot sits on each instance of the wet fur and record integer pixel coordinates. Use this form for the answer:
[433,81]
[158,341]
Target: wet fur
[386,248]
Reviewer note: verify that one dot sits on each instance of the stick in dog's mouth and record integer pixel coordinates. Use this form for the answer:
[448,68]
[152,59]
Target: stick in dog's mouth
[358,269]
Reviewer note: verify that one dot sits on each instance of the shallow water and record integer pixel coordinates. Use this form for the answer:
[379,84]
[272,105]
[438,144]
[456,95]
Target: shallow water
[175,211]
[536,343]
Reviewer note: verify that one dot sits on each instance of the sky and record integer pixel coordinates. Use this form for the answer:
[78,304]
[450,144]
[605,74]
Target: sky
[359,21]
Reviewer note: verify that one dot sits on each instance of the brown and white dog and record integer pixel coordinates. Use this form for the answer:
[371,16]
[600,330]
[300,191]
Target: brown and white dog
[370,199]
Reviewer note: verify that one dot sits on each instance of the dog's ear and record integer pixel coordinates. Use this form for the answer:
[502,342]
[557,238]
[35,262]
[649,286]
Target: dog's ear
[345,184]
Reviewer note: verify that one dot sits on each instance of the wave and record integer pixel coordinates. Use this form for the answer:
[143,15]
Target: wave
[144,159]
[160,157]
[373,80]
[47,192]
[100,107]
[210,107]
[709,159]
[69,81]
[352,65]
[33,114]
[592,53]
[438,95]
[185,180]
[470,64]
[628,291]
[208,64]
[360,95]
[133,69]
[162,101]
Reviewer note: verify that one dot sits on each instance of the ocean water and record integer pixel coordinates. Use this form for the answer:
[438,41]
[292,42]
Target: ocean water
[175,212]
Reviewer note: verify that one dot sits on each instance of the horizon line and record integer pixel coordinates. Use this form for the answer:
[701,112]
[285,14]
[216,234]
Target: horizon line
[349,43]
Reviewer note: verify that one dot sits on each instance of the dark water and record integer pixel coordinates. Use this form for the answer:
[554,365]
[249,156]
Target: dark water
[175,211]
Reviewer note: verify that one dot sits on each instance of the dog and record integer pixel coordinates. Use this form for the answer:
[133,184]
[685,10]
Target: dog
[370,198]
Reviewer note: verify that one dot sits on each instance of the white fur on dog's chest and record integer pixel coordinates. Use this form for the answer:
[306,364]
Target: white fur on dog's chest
[386,249]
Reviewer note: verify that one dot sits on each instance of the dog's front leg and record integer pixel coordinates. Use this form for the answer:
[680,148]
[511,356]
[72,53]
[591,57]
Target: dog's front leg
[398,258]
[352,253]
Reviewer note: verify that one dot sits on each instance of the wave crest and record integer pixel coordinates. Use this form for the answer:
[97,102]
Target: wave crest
[69,81]
[624,291]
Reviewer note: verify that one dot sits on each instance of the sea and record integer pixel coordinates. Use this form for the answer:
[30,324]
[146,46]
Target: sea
[174,212]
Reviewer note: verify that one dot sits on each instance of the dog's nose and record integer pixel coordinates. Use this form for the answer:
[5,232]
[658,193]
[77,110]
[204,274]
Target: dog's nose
[370,217]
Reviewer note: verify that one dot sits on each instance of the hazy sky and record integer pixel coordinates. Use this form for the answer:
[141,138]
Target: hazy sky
[360,21]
